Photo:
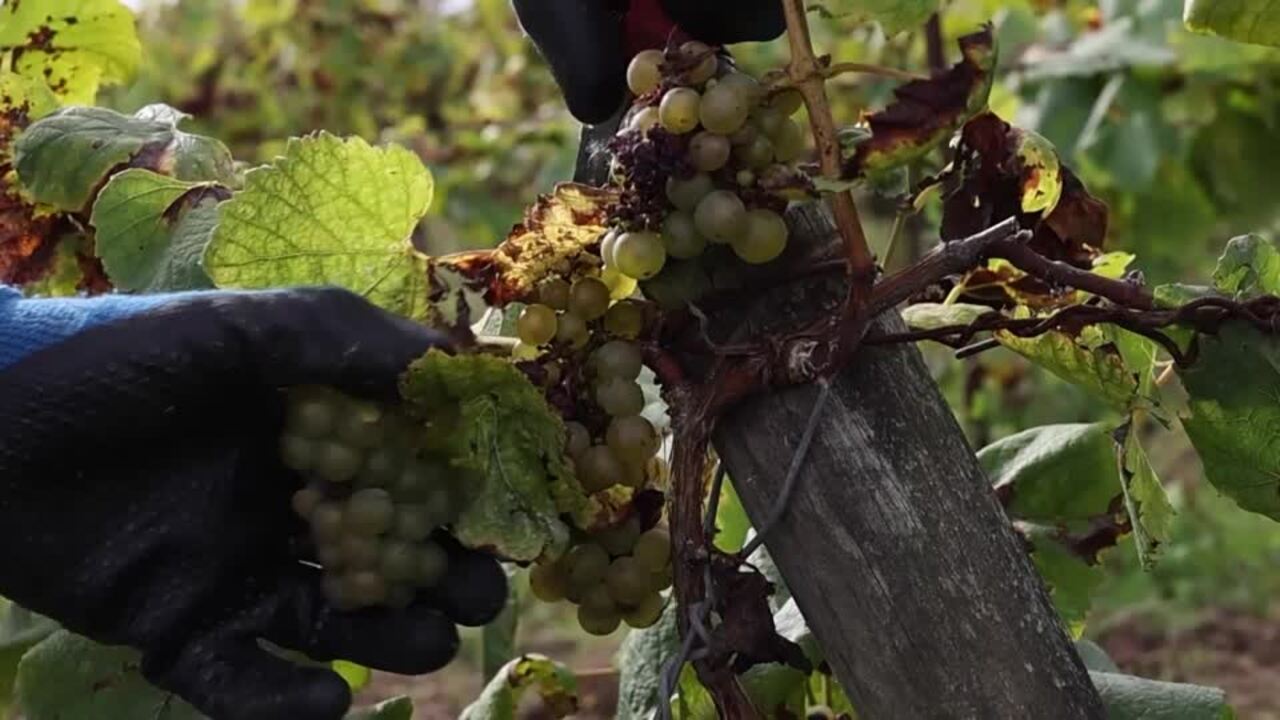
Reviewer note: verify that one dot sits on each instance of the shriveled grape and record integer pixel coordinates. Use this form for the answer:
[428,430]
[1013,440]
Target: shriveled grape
[708,151]
[681,236]
[619,397]
[645,71]
[618,358]
[685,193]
[678,111]
[720,216]
[640,255]
[536,325]
[707,61]
[589,298]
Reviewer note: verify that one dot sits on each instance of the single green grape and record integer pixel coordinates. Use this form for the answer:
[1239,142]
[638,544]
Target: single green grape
[708,151]
[681,237]
[418,476]
[413,522]
[536,325]
[617,397]
[361,425]
[724,109]
[589,298]
[305,500]
[337,462]
[360,552]
[433,565]
[625,319]
[706,67]
[587,564]
[745,135]
[788,142]
[755,155]
[369,512]
[653,549]
[571,330]
[364,588]
[578,438]
[607,244]
[299,453]
[554,293]
[786,102]
[628,581]
[633,439]
[769,121]
[720,216]
[644,74]
[686,193]
[644,120]
[620,539]
[399,561]
[764,238]
[313,412]
[640,255]
[326,522]
[745,178]
[548,582]
[382,466]
[743,83]
[598,622]
[645,613]
[598,468]
[619,359]
[679,284]
[678,111]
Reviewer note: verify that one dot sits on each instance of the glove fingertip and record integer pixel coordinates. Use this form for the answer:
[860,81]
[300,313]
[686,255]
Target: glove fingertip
[474,590]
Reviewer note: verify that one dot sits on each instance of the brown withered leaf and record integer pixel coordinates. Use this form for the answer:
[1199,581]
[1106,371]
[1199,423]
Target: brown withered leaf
[748,634]
[1001,171]
[27,241]
[555,239]
[926,113]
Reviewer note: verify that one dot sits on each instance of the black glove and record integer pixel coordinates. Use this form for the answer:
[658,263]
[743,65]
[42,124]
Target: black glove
[588,43]
[144,503]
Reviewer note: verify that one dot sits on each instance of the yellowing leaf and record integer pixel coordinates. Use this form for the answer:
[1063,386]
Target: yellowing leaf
[553,239]
[330,211]
[73,46]
[554,683]
[1041,173]
[1089,360]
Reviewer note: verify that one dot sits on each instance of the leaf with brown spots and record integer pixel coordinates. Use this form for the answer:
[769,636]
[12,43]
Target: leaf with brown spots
[1001,171]
[555,239]
[71,46]
[927,113]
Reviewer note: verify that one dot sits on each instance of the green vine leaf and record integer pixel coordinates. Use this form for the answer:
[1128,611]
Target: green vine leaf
[554,683]
[64,158]
[74,46]
[69,677]
[1133,698]
[330,211]
[513,440]
[1092,360]
[1150,512]
[1250,265]
[151,230]
[1070,576]
[1250,21]
[1055,473]
[894,16]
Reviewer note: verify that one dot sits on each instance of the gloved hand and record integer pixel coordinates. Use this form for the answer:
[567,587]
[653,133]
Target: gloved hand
[588,43]
[143,503]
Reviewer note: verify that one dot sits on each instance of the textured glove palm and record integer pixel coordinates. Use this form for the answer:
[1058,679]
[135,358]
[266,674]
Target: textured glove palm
[143,503]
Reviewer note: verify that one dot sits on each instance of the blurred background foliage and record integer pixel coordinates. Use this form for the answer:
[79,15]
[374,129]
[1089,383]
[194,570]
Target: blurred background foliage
[1179,133]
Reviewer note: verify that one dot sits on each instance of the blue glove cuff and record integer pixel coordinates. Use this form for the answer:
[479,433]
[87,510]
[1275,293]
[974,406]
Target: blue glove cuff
[29,325]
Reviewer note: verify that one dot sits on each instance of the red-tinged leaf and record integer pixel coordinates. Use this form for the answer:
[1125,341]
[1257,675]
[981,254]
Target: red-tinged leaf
[927,113]
[1001,171]
[555,239]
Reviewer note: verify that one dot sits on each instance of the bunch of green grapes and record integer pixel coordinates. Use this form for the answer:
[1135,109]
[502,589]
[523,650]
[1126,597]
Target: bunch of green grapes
[613,576]
[729,134]
[586,346]
[377,492]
